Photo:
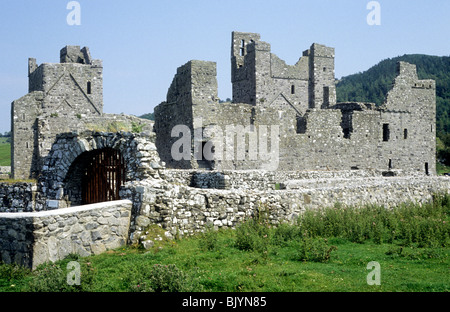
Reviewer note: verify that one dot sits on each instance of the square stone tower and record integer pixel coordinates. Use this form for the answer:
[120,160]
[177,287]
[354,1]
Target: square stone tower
[261,78]
[59,94]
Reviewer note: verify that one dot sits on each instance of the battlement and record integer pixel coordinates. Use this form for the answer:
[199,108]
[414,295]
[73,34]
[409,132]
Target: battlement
[259,77]
[73,54]
[62,92]
[315,132]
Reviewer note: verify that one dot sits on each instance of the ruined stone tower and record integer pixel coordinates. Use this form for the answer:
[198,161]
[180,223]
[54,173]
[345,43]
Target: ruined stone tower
[315,132]
[260,78]
[59,95]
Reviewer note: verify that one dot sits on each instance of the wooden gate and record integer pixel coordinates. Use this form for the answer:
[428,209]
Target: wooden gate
[104,175]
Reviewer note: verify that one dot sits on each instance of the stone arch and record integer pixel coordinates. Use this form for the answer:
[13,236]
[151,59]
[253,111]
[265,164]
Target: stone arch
[137,150]
[95,176]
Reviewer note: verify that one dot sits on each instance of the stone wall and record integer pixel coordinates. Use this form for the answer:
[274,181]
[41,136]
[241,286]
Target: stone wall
[184,210]
[66,90]
[61,178]
[265,179]
[32,238]
[21,197]
[194,85]
[314,133]
[63,97]
[5,172]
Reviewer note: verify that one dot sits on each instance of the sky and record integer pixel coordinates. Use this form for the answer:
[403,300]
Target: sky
[143,42]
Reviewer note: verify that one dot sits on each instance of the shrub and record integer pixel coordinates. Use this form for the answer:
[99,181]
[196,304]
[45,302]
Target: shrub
[425,224]
[415,253]
[253,235]
[208,239]
[164,278]
[312,249]
[284,233]
[53,277]
[136,128]
[48,278]
[12,272]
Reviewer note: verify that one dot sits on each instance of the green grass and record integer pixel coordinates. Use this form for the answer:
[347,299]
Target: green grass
[5,152]
[321,253]
[441,168]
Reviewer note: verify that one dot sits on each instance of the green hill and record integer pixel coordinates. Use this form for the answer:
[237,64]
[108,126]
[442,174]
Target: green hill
[149,116]
[373,84]
[5,152]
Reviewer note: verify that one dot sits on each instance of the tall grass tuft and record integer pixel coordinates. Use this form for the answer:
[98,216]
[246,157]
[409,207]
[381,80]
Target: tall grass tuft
[424,225]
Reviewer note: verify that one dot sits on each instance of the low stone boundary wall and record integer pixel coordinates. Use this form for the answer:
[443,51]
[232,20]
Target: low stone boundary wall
[185,210]
[21,197]
[33,238]
[5,171]
[266,180]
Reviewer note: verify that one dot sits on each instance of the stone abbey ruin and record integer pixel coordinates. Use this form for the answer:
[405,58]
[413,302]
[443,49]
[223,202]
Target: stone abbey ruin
[283,145]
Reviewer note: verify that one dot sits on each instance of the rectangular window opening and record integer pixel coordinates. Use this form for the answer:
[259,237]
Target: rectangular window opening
[242,48]
[292,89]
[89,87]
[405,134]
[301,125]
[386,133]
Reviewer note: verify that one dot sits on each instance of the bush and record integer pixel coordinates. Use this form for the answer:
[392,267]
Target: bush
[53,277]
[415,253]
[425,224]
[49,278]
[284,233]
[312,249]
[253,235]
[208,239]
[12,272]
[164,278]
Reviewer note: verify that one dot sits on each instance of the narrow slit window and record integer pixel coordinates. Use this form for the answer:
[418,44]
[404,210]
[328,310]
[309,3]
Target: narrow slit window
[292,89]
[390,164]
[386,133]
[405,134]
[242,49]
[89,87]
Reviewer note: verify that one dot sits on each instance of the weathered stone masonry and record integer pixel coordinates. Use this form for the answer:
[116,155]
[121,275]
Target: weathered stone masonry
[315,132]
[185,210]
[32,238]
[328,152]
[63,97]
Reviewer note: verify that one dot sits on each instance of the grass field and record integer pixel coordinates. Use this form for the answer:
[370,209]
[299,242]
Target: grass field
[323,252]
[5,152]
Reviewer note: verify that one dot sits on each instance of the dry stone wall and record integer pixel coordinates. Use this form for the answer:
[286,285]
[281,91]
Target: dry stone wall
[21,197]
[184,210]
[32,238]
[5,172]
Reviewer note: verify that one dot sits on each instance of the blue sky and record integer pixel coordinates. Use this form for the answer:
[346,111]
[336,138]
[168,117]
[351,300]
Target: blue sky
[142,43]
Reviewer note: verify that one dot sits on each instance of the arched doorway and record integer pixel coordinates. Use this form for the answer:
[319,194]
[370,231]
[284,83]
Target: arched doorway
[70,165]
[96,176]
[103,176]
